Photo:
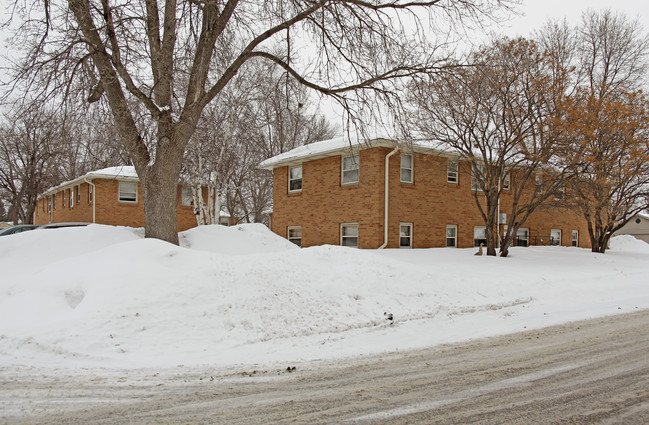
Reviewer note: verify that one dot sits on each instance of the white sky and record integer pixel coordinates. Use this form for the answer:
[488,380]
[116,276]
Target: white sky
[537,12]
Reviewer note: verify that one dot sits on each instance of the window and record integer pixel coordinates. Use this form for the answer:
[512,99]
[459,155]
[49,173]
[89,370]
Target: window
[451,171]
[479,235]
[54,201]
[71,197]
[63,198]
[186,197]
[295,179]
[127,192]
[89,193]
[575,238]
[349,235]
[406,168]
[224,220]
[49,204]
[506,181]
[78,194]
[477,176]
[555,237]
[350,170]
[538,182]
[405,235]
[523,237]
[451,235]
[295,235]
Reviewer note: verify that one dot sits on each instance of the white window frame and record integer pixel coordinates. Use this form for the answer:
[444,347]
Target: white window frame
[72,197]
[507,181]
[454,237]
[291,179]
[409,235]
[342,235]
[474,181]
[526,238]
[538,184]
[551,238]
[90,193]
[411,168]
[575,238]
[186,196]
[226,219]
[121,194]
[293,238]
[452,171]
[484,231]
[344,170]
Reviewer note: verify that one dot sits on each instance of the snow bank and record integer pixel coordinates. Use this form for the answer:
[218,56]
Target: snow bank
[103,296]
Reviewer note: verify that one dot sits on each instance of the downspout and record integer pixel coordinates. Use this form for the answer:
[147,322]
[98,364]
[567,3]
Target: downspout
[385,208]
[94,198]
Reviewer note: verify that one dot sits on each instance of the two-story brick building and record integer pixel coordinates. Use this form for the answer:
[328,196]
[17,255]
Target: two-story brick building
[333,192]
[110,196]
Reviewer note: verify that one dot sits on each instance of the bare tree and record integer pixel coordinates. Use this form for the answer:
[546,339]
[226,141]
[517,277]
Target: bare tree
[497,116]
[159,64]
[29,151]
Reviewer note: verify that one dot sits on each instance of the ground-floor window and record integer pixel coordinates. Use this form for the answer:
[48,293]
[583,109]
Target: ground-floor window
[451,235]
[575,238]
[405,235]
[523,237]
[479,235]
[295,235]
[555,237]
[349,234]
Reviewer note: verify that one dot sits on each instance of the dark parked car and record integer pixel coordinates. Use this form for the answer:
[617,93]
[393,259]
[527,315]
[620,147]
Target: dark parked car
[59,225]
[18,229]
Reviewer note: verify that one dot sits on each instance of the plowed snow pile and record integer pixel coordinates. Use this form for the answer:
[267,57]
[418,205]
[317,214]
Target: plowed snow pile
[103,296]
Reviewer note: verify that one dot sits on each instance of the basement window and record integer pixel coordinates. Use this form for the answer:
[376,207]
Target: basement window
[349,235]
[295,235]
[405,235]
[128,192]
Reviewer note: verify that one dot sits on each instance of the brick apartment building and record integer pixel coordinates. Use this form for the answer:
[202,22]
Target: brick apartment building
[333,192]
[110,196]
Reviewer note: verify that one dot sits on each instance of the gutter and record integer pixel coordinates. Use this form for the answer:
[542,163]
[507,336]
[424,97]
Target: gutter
[385,208]
[94,198]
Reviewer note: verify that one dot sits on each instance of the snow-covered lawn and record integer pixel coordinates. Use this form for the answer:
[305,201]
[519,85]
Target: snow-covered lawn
[103,296]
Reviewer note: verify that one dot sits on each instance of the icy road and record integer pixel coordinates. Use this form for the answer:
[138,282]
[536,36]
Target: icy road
[588,372]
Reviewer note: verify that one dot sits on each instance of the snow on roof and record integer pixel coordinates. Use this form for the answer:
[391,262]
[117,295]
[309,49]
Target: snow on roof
[121,171]
[341,145]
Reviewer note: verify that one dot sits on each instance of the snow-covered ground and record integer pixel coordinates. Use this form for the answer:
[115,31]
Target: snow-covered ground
[102,296]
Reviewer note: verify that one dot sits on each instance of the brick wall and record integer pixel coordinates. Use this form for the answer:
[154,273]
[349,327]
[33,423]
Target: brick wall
[109,210]
[430,203]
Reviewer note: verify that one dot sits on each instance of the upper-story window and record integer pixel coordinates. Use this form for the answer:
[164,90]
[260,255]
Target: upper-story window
[350,169]
[406,168]
[295,179]
[506,181]
[451,171]
[477,175]
[127,192]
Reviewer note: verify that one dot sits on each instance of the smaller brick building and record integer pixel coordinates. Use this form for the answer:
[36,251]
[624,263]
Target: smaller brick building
[110,196]
[333,192]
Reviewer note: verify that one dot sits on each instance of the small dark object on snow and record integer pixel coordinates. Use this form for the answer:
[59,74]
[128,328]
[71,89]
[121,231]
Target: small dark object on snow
[389,316]
[290,369]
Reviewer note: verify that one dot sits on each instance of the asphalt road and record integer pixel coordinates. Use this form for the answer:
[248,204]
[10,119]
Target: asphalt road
[591,372]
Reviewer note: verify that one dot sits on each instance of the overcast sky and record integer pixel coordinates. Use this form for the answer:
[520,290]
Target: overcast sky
[537,12]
